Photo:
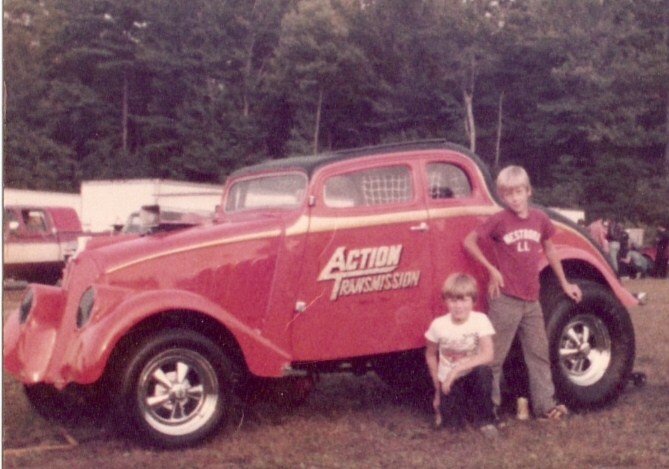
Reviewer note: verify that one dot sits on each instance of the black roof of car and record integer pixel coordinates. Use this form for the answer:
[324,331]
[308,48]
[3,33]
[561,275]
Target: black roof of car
[309,164]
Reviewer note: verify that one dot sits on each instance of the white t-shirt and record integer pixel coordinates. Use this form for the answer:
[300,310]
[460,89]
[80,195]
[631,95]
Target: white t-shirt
[457,341]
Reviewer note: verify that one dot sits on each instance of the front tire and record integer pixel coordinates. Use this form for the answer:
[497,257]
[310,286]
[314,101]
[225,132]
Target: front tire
[177,389]
[591,346]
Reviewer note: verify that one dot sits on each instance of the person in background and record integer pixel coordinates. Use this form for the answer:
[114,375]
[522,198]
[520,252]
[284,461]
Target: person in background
[598,230]
[630,261]
[615,236]
[662,251]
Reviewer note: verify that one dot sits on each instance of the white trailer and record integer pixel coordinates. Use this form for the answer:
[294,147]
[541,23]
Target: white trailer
[106,203]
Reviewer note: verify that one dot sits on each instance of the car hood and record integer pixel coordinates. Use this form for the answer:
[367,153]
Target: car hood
[120,255]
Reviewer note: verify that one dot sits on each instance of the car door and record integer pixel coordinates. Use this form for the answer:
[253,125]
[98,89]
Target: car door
[366,273]
[457,203]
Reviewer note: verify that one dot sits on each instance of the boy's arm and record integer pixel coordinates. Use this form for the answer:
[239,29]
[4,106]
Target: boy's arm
[571,289]
[431,354]
[432,360]
[484,356]
[496,280]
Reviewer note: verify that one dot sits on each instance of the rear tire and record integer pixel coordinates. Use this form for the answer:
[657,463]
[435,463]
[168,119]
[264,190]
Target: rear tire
[591,346]
[177,389]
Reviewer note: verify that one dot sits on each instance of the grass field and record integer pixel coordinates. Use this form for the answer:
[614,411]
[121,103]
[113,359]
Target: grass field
[353,421]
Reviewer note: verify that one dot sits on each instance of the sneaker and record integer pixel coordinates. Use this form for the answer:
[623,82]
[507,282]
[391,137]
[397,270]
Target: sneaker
[489,431]
[558,412]
[438,422]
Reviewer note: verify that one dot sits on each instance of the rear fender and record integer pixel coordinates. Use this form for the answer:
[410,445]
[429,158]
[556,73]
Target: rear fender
[98,339]
[569,255]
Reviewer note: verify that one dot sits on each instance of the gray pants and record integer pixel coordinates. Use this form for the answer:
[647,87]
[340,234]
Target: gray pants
[508,316]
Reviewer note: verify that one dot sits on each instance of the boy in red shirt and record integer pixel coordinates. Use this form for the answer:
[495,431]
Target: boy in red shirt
[520,235]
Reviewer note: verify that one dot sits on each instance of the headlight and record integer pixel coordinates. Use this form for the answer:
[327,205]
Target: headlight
[26,306]
[85,307]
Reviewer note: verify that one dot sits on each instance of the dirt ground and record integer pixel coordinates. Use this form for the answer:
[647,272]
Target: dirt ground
[351,421]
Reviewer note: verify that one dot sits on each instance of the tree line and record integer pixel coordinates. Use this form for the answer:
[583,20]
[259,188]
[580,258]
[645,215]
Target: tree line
[577,91]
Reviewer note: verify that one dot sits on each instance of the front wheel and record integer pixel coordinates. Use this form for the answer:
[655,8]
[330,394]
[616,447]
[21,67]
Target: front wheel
[591,346]
[176,389]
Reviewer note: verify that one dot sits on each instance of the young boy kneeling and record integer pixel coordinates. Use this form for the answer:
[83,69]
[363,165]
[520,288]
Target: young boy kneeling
[459,348]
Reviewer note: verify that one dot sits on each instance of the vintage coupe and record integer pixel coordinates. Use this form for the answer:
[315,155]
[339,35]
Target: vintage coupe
[313,264]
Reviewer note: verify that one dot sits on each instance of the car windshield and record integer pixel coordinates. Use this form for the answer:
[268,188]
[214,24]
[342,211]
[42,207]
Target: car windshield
[278,191]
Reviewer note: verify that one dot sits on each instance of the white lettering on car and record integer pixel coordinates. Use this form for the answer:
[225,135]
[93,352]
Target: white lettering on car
[366,270]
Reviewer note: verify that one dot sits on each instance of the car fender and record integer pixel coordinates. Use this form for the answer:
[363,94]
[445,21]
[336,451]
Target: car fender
[29,346]
[98,339]
[596,260]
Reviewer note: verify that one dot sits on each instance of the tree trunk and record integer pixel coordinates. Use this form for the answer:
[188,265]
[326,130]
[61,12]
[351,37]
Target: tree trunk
[468,87]
[317,126]
[248,66]
[124,113]
[666,143]
[498,145]
[248,69]
[470,125]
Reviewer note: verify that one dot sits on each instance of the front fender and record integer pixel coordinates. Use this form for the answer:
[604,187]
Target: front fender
[29,346]
[98,339]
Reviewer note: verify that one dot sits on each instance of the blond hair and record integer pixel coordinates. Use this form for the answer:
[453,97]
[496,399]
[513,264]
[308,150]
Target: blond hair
[513,176]
[460,285]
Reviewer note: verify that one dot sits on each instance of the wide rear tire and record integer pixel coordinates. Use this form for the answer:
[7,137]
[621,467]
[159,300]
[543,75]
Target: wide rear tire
[591,344]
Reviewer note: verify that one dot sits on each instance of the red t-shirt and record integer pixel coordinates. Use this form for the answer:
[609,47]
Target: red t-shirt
[518,249]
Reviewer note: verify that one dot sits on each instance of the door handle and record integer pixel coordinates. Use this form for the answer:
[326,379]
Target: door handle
[421,227]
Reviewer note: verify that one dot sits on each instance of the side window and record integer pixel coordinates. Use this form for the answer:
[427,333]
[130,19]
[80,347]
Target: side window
[447,181]
[7,219]
[377,186]
[34,220]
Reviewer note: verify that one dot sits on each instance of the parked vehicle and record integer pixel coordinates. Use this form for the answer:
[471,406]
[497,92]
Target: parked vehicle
[150,219]
[313,264]
[38,241]
[108,202]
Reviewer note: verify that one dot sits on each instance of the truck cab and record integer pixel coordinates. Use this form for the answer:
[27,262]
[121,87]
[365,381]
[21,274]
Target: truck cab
[38,241]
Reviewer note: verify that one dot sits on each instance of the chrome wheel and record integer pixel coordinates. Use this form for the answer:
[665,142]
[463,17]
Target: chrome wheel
[585,349]
[178,392]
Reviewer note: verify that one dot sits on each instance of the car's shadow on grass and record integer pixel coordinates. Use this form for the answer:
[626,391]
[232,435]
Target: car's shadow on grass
[332,397]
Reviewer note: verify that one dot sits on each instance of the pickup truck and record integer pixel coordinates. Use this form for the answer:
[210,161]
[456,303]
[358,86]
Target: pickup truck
[38,241]
[312,264]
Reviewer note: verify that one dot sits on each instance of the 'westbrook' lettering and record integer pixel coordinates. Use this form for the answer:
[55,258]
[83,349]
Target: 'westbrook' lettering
[521,235]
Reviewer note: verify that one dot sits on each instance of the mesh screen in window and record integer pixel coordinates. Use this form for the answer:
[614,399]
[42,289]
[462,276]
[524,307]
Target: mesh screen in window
[369,187]
[447,181]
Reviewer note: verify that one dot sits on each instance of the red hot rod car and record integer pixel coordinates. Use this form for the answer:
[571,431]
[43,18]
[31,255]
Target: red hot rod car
[312,264]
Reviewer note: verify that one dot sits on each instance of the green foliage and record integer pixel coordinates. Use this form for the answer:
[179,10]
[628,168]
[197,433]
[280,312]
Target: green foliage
[567,186]
[576,91]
